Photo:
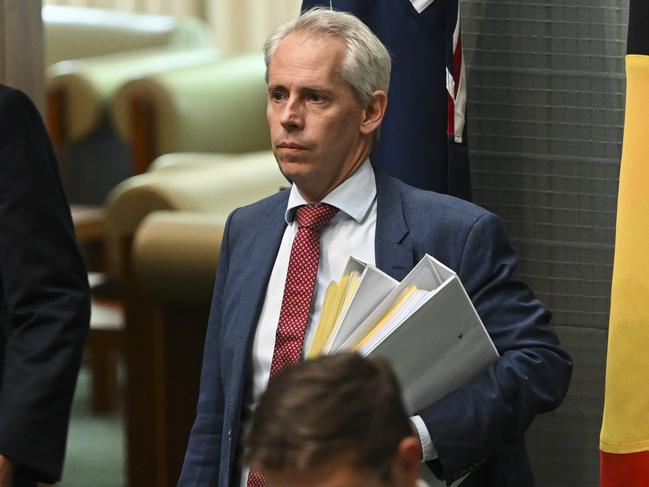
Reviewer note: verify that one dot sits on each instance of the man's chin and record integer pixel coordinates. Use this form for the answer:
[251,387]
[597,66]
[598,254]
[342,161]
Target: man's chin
[297,173]
[292,167]
[291,157]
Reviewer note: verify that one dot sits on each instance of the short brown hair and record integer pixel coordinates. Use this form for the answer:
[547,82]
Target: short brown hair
[320,410]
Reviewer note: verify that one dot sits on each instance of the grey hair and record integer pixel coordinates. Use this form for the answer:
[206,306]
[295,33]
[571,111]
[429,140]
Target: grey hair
[367,62]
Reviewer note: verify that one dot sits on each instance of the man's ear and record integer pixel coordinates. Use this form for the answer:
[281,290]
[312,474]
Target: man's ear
[374,112]
[407,461]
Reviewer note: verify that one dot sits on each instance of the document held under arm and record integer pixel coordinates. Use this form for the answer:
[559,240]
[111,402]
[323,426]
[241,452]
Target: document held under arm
[425,326]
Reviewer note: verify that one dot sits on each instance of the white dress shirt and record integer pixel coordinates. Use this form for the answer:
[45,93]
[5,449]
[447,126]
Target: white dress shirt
[350,232]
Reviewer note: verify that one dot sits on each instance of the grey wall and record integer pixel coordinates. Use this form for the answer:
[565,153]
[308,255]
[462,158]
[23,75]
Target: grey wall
[545,118]
[21,48]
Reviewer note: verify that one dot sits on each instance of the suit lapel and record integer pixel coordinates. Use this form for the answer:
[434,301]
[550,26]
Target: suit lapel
[394,253]
[261,255]
[256,257]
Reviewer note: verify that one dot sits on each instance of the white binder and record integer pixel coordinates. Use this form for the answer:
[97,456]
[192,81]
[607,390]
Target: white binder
[437,348]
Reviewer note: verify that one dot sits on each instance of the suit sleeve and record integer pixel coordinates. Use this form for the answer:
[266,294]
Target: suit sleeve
[201,464]
[531,376]
[44,295]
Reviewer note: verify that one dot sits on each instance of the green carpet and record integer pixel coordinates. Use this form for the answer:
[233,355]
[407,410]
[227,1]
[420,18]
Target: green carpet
[95,454]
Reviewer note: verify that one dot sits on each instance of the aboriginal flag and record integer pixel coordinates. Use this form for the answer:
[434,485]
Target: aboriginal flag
[423,136]
[624,441]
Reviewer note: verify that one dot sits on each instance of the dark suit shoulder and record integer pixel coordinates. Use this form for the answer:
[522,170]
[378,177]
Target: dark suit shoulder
[436,224]
[455,208]
[252,213]
[6,91]
[14,102]
[428,212]
[29,155]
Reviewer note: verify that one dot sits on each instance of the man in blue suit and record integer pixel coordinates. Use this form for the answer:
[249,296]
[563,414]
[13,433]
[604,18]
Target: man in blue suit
[327,80]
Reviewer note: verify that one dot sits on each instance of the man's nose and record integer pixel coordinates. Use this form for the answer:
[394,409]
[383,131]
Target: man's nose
[292,117]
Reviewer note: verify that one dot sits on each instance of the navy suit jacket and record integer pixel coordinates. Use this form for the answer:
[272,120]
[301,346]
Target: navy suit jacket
[479,428]
[44,297]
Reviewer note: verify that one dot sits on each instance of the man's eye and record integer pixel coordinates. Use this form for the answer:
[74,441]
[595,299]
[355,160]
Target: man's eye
[277,95]
[316,97]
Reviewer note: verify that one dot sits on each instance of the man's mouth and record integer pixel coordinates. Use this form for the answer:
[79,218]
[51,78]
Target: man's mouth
[291,146]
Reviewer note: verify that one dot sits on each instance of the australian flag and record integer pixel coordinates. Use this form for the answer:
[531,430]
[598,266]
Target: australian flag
[423,136]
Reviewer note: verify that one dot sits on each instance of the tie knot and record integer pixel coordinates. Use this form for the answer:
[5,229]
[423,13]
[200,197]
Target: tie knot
[315,217]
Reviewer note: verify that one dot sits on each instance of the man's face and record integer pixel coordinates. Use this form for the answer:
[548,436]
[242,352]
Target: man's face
[315,119]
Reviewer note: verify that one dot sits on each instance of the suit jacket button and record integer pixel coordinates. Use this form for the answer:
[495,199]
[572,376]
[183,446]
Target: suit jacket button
[230,435]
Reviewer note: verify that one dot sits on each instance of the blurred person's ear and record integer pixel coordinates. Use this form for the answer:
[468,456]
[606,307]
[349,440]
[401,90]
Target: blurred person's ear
[407,462]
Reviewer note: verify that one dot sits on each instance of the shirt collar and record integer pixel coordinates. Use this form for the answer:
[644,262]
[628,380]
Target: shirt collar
[354,196]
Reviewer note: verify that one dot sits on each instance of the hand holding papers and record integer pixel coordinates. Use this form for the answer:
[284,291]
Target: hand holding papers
[425,326]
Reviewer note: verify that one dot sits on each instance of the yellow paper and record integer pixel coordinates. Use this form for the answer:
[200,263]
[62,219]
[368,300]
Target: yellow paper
[352,286]
[387,317]
[330,307]
[336,302]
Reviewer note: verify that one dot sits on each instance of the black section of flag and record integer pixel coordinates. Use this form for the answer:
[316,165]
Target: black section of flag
[638,40]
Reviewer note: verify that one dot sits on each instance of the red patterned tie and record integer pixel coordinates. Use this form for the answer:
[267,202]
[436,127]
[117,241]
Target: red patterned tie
[298,293]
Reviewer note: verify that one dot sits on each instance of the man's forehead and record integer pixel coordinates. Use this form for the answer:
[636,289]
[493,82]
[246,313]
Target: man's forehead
[307,51]
[309,39]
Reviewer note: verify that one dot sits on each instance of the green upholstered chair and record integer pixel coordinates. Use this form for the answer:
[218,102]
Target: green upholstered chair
[89,54]
[217,107]
[164,230]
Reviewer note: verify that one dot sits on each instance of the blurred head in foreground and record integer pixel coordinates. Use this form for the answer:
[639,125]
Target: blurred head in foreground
[336,421]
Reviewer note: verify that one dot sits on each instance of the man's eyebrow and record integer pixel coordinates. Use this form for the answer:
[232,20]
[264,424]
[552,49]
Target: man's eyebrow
[302,89]
[323,89]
